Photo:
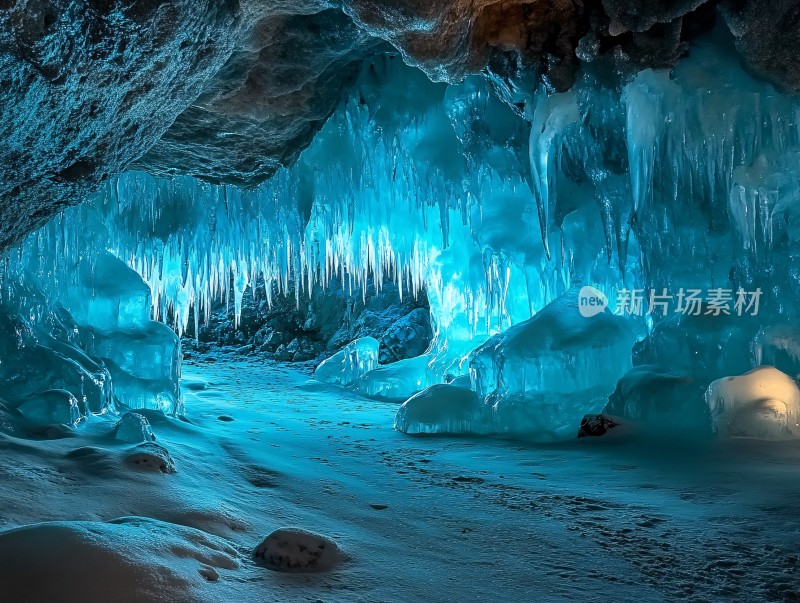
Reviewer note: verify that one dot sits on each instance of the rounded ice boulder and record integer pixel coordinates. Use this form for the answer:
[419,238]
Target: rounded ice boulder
[297,550]
[55,406]
[442,408]
[134,428]
[762,403]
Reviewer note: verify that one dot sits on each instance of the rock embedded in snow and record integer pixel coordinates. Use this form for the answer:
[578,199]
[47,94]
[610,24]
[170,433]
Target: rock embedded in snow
[763,403]
[134,428]
[151,457]
[596,425]
[297,550]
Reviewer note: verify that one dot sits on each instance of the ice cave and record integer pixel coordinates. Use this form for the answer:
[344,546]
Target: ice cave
[399,300]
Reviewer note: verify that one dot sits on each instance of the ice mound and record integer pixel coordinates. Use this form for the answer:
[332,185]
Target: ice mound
[55,406]
[145,363]
[543,375]
[40,350]
[107,295]
[347,365]
[396,381]
[704,345]
[297,550]
[666,398]
[443,408]
[763,403]
[78,318]
[131,559]
[133,428]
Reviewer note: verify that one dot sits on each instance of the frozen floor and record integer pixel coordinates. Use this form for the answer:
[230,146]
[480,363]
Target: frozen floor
[422,519]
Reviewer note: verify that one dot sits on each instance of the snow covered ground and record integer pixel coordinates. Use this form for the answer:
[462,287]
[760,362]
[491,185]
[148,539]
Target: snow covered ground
[417,518]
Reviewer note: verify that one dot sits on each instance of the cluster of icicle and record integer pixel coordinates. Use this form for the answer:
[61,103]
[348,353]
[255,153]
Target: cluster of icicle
[654,180]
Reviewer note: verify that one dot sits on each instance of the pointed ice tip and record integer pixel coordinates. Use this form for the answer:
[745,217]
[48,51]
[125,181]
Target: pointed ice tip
[545,240]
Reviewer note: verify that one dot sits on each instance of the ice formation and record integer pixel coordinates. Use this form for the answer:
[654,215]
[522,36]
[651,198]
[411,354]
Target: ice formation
[762,403]
[496,198]
[349,364]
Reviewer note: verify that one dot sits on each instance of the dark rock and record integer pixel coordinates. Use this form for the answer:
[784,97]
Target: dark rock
[151,457]
[596,425]
[407,337]
[297,550]
[266,104]
[318,326]
[767,35]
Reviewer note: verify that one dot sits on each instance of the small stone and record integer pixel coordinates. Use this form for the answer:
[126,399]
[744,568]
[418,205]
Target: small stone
[151,457]
[297,550]
[595,425]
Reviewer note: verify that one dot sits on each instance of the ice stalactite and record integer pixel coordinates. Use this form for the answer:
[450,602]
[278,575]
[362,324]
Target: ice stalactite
[641,181]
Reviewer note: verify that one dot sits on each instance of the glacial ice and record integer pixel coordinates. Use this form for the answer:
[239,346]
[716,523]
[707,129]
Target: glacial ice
[762,403]
[346,366]
[543,375]
[649,181]
[443,408]
[665,398]
[133,428]
[396,381]
[54,406]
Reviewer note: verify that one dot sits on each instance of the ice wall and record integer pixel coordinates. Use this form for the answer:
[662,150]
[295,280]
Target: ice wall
[94,310]
[499,198]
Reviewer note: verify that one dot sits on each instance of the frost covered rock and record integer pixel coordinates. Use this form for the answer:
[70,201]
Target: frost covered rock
[88,88]
[542,376]
[297,550]
[151,457]
[762,403]
[408,337]
[55,406]
[346,366]
[443,408]
[133,428]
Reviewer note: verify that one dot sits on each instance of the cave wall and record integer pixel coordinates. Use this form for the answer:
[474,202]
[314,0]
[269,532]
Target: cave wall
[231,90]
